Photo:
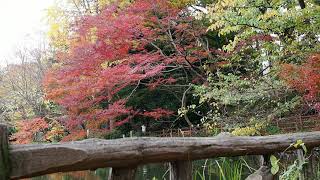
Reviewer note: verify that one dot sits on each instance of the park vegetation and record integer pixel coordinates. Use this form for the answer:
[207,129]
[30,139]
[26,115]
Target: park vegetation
[112,66]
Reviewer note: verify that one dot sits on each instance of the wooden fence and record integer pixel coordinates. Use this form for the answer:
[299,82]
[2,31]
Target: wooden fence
[124,155]
[285,125]
[297,123]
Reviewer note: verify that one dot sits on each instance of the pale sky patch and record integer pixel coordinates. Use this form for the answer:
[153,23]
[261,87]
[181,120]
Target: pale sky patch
[21,20]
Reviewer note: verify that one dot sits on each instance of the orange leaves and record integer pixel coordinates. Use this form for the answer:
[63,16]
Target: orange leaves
[160,81]
[305,78]
[158,113]
[38,130]
[56,132]
[118,52]
[84,81]
[28,128]
[75,135]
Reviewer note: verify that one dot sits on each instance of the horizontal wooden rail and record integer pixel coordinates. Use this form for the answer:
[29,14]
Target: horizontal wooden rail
[38,159]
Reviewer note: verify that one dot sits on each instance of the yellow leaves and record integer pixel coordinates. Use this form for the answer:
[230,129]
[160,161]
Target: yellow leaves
[135,43]
[222,5]
[55,133]
[107,64]
[59,25]
[232,44]
[181,3]
[58,36]
[54,28]
[245,131]
[228,29]
[249,130]
[92,35]
[63,13]
[269,14]
[299,144]
[54,12]
[216,25]
[103,3]
[124,3]
[227,3]
[217,12]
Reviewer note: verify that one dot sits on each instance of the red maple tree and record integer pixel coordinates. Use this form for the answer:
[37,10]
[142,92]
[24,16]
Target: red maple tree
[27,130]
[306,79]
[136,46]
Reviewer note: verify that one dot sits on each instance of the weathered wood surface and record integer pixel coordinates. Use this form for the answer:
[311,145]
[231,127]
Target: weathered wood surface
[181,170]
[4,153]
[38,159]
[127,173]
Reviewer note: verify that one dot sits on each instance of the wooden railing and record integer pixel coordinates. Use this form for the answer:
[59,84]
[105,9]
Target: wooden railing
[288,124]
[124,155]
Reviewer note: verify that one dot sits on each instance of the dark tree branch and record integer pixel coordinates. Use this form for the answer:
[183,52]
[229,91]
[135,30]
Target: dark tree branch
[302,4]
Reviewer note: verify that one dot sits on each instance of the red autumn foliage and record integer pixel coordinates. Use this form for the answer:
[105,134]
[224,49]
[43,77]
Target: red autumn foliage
[75,135]
[305,78]
[158,113]
[147,44]
[124,52]
[160,81]
[27,130]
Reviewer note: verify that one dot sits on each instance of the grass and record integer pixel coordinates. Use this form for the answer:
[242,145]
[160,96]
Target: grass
[220,169]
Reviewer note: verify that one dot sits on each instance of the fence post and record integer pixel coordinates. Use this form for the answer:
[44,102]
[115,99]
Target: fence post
[181,170]
[127,173]
[264,172]
[4,153]
[311,168]
[301,160]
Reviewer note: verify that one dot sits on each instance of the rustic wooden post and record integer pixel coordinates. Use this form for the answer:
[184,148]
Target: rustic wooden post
[311,167]
[297,124]
[181,170]
[264,172]
[88,133]
[127,173]
[301,122]
[301,159]
[4,153]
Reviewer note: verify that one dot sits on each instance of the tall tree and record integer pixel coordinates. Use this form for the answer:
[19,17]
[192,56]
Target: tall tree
[121,57]
[21,84]
[244,82]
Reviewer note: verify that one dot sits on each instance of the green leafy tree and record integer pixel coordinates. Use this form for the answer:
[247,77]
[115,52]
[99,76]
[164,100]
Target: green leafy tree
[244,84]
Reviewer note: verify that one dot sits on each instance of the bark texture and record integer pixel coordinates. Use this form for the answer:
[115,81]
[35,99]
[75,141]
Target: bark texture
[127,173]
[181,170]
[38,159]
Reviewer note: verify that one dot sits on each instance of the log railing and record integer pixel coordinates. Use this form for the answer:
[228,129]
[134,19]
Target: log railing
[124,155]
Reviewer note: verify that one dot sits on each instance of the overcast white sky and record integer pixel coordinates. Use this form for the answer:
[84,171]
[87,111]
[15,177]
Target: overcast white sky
[20,20]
